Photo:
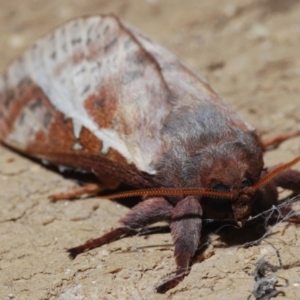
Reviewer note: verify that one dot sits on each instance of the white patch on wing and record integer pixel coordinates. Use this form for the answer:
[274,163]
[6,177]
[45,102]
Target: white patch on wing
[45,162]
[21,135]
[77,146]
[77,127]
[63,168]
[17,72]
[104,149]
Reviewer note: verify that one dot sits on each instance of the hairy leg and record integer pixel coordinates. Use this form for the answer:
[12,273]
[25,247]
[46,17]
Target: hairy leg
[276,140]
[289,179]
[145,213]
[89,189]
[186,230]
[268,195]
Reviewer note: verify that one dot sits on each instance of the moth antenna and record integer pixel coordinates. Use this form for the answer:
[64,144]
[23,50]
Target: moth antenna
[275,172]
[169,192]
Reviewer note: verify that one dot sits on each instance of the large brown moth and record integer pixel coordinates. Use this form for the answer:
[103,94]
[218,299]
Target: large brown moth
[98,96]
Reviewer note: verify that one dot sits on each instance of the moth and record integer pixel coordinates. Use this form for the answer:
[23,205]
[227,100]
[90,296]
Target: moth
[99,96]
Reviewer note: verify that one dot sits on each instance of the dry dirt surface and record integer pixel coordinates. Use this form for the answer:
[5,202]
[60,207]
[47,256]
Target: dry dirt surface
[249,51]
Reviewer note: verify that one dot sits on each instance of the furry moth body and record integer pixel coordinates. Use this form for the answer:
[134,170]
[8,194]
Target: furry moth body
[97,95]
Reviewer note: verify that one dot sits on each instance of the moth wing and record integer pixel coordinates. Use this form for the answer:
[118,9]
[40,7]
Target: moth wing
[87,92]
[96,94]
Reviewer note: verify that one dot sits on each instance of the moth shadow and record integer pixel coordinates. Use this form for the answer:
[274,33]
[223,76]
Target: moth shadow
[229,234]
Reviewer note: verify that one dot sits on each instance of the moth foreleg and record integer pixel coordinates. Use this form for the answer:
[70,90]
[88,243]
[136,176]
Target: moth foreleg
[143,214]
[186,230]
[148,212]
[104,239]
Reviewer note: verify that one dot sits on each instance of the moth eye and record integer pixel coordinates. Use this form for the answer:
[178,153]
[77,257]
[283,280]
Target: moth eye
[246,183]
[220,203]
[221,187]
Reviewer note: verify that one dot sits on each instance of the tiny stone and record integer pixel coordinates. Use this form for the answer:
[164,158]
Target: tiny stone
[259,31]
[295,28]
[229,10]
[48,220]
[80,217]
[105,253]
[35,169]
[264,251]
[16,41]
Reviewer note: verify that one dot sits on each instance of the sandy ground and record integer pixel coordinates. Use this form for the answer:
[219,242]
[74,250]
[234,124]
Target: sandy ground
[249,51]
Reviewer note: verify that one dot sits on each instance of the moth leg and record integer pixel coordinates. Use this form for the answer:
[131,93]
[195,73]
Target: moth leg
[267,197]
[276,140]
[88,189]
[143,214]
[186,230]
[290,180]
[107,238]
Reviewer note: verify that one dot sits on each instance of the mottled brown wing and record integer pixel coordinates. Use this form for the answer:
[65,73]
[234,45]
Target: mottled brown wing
[95,94]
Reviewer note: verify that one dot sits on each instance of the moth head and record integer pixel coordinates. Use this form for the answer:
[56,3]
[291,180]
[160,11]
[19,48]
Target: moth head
[242,193]
[231,169]
[237,206]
